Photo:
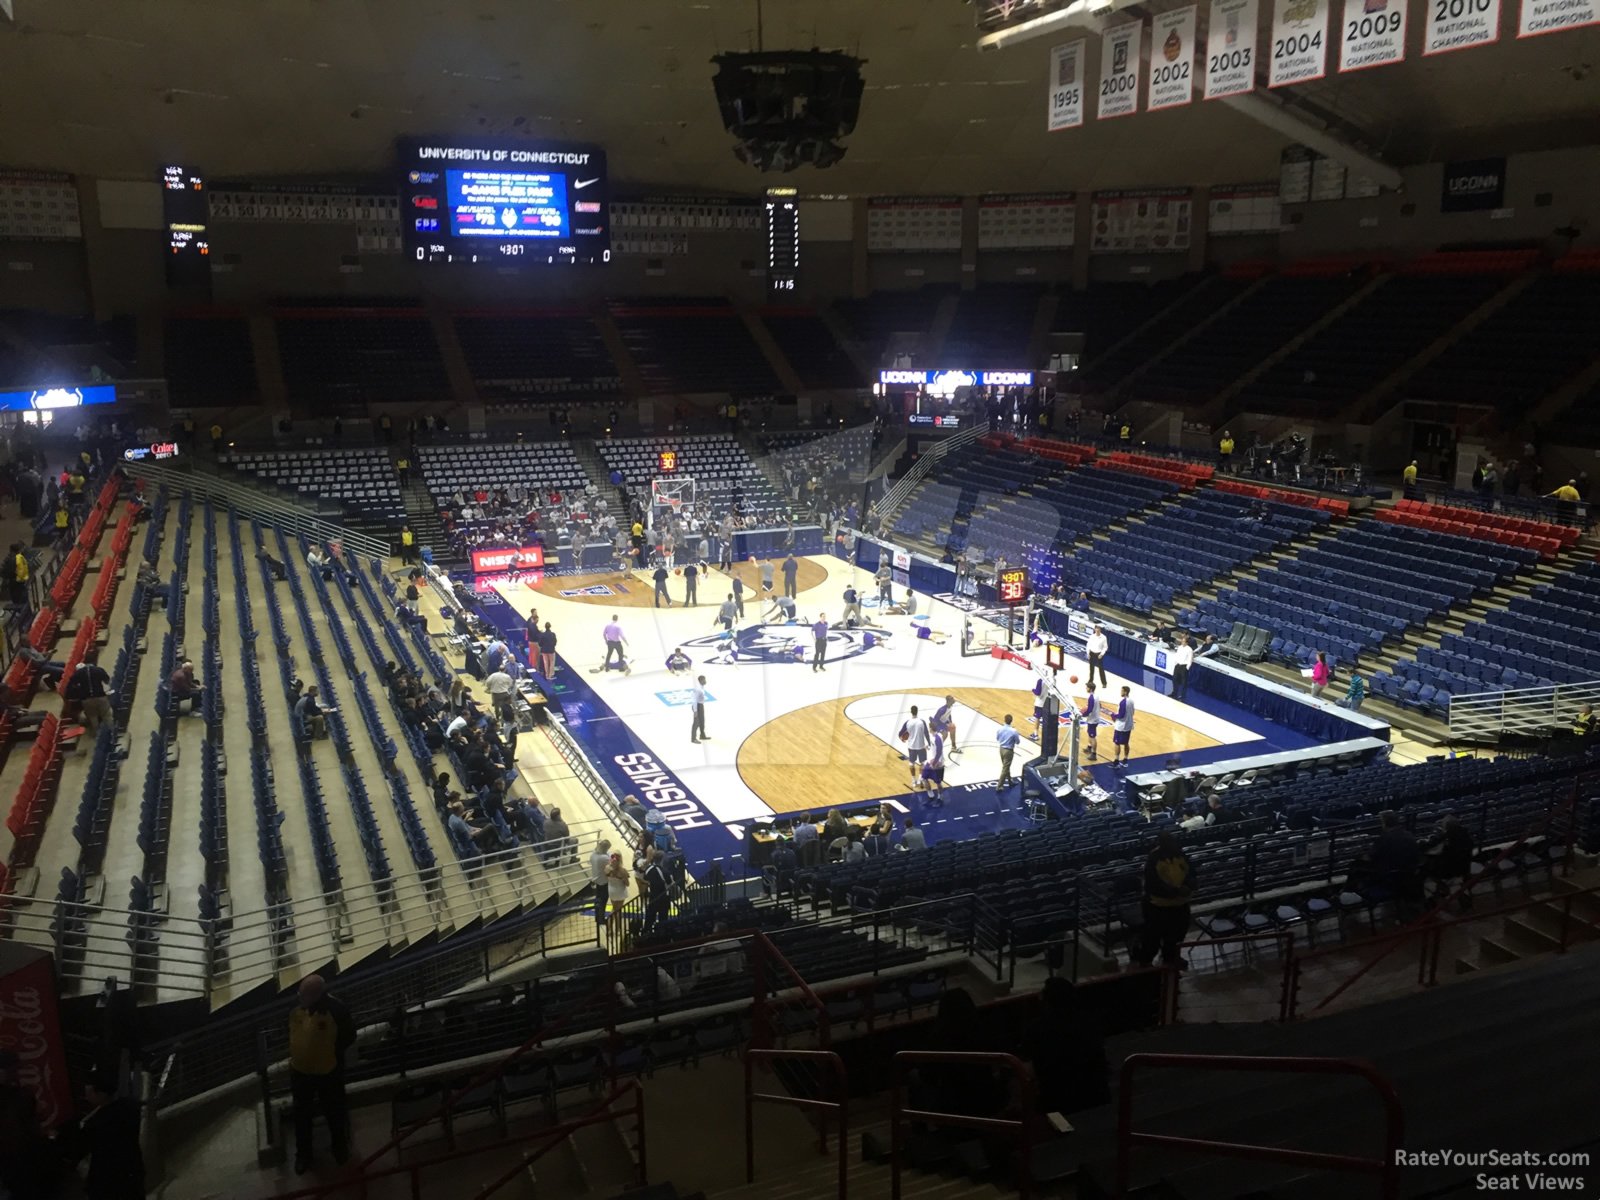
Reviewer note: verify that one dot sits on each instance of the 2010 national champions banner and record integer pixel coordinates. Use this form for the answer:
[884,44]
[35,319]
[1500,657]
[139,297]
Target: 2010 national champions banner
[1362,33]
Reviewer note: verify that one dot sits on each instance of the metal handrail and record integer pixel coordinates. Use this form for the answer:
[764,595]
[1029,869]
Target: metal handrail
[919,469]
[766,953]
[555,1134]
[1385,1167]
[1021,1128]
[1426,921]
[252,503]
[1518,710]
[840,1104]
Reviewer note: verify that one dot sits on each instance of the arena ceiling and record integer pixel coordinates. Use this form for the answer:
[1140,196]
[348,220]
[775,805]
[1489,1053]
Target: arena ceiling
[262,88]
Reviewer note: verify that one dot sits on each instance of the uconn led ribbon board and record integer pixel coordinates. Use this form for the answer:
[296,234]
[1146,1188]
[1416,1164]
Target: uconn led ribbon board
[53,399]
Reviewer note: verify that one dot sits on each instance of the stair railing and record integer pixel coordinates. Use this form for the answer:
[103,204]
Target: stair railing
[1020,1129]
[923,465]
[839,1104]
[1384,1167]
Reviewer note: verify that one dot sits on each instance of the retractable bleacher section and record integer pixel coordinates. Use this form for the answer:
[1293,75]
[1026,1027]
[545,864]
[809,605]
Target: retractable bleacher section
[992,327]
[1364,587]
[349,356]
[718,463]
[1281,862]
[1539,640]
[1542,336]
[693,346]
[1105,313]
[538,465]
[1201,536]
[875,320]
[360,479]
[1415,306]
[815,354]
[210,359]
[1103,371]
[536,352]
[1277,311]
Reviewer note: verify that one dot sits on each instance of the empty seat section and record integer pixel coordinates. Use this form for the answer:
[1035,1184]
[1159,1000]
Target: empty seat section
[693,346]
[210,359]
[812,350]
[515,355]
[348,356]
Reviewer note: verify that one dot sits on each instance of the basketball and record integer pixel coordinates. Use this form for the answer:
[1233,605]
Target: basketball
[679,571]
[1072,679]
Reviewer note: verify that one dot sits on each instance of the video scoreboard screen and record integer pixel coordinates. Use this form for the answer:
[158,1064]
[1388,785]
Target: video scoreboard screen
[504,201]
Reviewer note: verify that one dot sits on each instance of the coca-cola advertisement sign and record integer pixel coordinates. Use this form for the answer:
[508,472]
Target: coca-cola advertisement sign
[30,1028]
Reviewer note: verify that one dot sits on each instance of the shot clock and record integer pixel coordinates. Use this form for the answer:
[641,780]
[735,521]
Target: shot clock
[1012,585]
[667,462]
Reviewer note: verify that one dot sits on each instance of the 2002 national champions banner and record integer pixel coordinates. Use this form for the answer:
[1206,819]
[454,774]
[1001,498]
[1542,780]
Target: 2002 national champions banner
[1365,33]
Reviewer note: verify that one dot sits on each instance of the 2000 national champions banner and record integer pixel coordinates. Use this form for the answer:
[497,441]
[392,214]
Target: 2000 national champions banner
[1357,34]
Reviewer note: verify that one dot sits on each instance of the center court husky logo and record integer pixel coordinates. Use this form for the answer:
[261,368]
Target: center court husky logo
[777,644]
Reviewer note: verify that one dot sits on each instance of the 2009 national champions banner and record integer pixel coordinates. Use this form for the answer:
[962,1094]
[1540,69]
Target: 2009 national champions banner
[1357,34]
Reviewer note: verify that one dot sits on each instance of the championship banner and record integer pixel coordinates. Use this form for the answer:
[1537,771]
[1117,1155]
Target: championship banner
[1554,16]
[1231,48]
[1120,49]
[1460,25]
[1172,58]
[1299,42]
[1066,86]
[1372,34]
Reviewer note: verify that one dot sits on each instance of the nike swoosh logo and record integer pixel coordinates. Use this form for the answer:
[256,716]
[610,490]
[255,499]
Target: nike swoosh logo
[583,183]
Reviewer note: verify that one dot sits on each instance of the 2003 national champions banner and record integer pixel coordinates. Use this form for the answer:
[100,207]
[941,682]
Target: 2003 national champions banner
[1366,34]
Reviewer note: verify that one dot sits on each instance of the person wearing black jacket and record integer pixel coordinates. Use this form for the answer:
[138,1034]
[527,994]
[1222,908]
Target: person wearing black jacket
[90,686]
[1067,1051]
[108,1135]
[1168,887]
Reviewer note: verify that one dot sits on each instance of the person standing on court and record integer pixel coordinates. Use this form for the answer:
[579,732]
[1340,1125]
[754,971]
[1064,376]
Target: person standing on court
[766,568]
[1182,660]
[1122,728]
[691,577]
[738,596]
[726,612]
[1091,720]
[660,577]
[916,735]
[819,638]
[547,651]
[320,1031]
[944,722]
[791,572]
[1096,646]
[697,727]
[1007,738]
[885,579]
[852,607]
[615,641]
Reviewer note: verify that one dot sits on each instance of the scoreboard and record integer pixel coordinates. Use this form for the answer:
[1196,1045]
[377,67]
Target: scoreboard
[183,212]
[1012,585]
[667,462]
[782,220]
[504,201]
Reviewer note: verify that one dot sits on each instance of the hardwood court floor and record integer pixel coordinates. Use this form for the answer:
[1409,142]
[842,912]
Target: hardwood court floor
[818,756]
[636,589]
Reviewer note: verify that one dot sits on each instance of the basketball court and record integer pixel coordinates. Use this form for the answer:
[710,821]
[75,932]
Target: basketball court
[784,738]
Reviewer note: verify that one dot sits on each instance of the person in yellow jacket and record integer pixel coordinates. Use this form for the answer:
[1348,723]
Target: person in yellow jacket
[408,544]
[320,1031]
[1168,888]
[1566,498]
[1225,451]
[17,571]
[1409,475]
[1126,432]
[402,468]
[63,522]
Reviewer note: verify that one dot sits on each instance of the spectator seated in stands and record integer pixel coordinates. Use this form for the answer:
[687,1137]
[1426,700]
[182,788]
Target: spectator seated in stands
[149,577]
[1447,857]
[276,569]
[484,837]
[312,714]
[21,718]
[1395,859]
[184,689]
[50,671]
[318,562]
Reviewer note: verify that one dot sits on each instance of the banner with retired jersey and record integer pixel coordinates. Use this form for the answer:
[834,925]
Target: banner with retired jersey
[1120,50]
[1554,16]
[1172,39]
[1299,50]
[1231,48]
[1066,86]
[1372,34]
[1460,25]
